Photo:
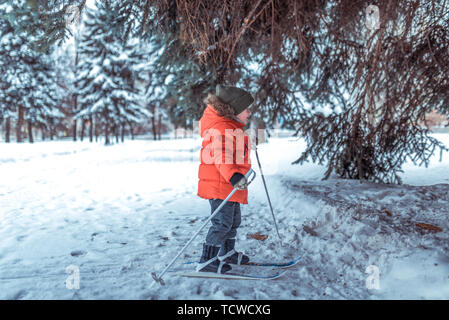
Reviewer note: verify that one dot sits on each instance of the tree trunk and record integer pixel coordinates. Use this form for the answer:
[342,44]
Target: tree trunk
[153,122]
[7,130]
[106,133]
[30,132]
[43,134]
[83,128]
[131,130]
[19,124]
[74,130]
[123,133]
[159,125]
[116,132]
[91,129]
[97,128]
[52,130]
[75,101]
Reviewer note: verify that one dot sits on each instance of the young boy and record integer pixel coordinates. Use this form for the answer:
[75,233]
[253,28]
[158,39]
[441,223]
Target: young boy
[225,159]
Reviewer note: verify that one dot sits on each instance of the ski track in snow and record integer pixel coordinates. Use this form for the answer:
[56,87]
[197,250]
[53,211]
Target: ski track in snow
[124,211]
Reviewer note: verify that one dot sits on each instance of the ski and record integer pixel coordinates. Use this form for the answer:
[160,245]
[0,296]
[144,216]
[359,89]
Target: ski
[230,275]
[282,265]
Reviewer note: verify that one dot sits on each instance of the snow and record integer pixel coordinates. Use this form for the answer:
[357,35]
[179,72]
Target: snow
[120,212]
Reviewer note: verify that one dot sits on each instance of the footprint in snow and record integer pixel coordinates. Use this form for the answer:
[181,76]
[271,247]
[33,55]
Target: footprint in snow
[19,295]
[21,238]
[93,235]
[78,253]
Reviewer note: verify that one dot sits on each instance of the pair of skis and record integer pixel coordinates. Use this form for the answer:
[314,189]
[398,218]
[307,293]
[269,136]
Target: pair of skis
[270,271]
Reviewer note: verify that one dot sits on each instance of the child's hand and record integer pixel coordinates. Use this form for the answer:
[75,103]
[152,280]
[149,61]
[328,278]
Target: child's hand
[242,184]
[239,181]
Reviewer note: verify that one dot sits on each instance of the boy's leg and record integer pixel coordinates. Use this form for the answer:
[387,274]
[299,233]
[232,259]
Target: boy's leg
[227,252]
[236,221]
[221,225]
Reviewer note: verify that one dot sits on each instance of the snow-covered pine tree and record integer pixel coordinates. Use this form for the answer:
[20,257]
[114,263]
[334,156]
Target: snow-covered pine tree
[44,98]
[28,81]
[107,74]
[47,20]
[65,59]
[8,95]
[178,84]
[10,57]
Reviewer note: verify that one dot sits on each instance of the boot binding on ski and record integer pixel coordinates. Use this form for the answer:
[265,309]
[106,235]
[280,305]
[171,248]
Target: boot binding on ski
[234,257]
[209,261]
[229,255]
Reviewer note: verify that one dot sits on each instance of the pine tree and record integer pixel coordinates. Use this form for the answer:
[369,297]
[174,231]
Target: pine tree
[8,94]
[108,73]
[10,57]
[65,59]
[28,84]
[44,97]
[177,84]
[47,21]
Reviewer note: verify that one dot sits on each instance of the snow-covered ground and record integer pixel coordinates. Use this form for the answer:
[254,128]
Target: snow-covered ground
[119,213]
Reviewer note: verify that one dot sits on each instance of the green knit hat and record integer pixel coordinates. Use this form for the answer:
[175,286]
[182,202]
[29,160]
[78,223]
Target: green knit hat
[237,98]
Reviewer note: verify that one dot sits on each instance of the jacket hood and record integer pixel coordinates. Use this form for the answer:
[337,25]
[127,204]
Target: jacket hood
[211,118]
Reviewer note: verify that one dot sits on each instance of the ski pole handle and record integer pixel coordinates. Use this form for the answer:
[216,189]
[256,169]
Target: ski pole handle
[251,173]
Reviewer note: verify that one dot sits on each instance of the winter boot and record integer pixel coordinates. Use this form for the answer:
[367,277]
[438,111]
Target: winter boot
[229,255]
[209,261]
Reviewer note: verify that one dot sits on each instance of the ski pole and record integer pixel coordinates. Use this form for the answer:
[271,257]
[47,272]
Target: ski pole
[268,197]
[159,278]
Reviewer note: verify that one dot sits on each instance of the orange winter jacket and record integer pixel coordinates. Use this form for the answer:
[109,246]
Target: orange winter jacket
[225,151]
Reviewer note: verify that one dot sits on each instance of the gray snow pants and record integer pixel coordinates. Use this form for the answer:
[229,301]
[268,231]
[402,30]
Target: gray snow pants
[225,223]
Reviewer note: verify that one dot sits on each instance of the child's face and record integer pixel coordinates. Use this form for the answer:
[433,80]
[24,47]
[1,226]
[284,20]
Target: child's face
[244,115]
